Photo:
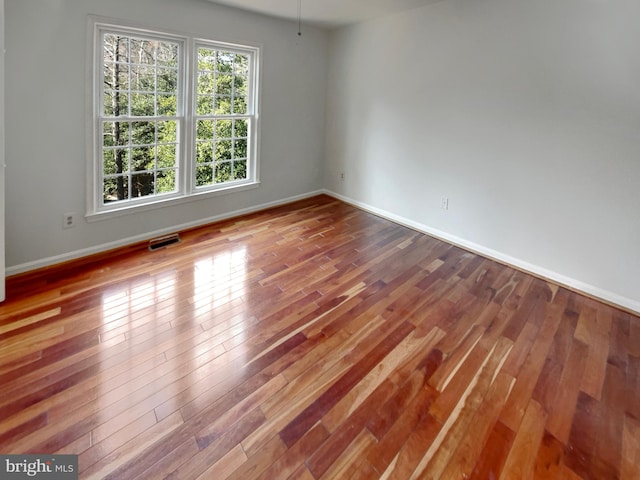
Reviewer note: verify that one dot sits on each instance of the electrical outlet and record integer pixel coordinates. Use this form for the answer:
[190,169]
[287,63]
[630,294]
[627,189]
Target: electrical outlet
[69,220]
[444,203]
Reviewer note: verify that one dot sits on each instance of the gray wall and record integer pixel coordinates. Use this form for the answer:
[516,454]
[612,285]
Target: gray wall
[525,114]
[46,73]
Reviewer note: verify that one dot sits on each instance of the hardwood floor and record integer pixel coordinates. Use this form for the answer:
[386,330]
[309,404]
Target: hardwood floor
[316,341]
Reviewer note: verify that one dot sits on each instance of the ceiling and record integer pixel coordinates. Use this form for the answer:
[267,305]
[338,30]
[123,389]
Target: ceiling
[327,13]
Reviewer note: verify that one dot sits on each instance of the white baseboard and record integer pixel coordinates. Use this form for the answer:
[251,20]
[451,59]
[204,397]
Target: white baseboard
[571,283]
[65,257]
[608,297]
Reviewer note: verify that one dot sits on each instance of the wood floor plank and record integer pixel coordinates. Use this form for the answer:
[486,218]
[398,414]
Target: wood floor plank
[630,448]
[304,389]
[441,378]
[609,447]
[469,449]
[362,391]
[217,448]
[348,459]
[560,415]
[549,461]
[414,426]
[256,464]
[520,461]
[450,398]
[459,420]
[632,386]
[174,458]
[549,381]
[597,338]
[494,454]
[384,418]
[108,465]
[252,401]
[226,465]
[323,460]
[316,341]
[528,376]
[101,448]
[294,431]
[295,455]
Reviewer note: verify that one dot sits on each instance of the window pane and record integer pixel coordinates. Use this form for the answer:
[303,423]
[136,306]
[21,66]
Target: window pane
[240,128]
[204,152]
[224,62]
[223,172]
[115,48]
[109,162]
[116,76]
[223,150]
[240,105]
[223,129]
[239,85]
[166,181]
[107,134]
[143,51]
[204,175]
[142,184]
[115,133]
[241,79]
[167,132]
[206,82]
[240,148]
[206,59]
[241,63]
[107,105]
[115,161]
[122,132]
[204,129]
[143,104]
[115,189]
[166,156]
[143,78]
[123,160]
[240,170]
[116,103]
[143,133]
[143,158]
[205,105]
[222,105]
[167,54]
[167,105]
[167,80]
[223,84]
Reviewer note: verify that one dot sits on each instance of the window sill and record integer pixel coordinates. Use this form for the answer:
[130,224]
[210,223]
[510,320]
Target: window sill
[169,202]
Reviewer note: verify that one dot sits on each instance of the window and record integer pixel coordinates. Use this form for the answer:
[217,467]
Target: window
[139,120]
[153,140]
[222,122]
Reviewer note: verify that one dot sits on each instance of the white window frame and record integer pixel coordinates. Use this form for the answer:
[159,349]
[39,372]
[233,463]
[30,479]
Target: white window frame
[186,189]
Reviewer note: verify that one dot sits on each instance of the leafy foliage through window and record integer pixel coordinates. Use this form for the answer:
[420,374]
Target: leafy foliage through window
[143,153]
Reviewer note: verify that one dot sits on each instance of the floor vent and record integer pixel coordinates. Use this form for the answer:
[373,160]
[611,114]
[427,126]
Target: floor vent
[165,241]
